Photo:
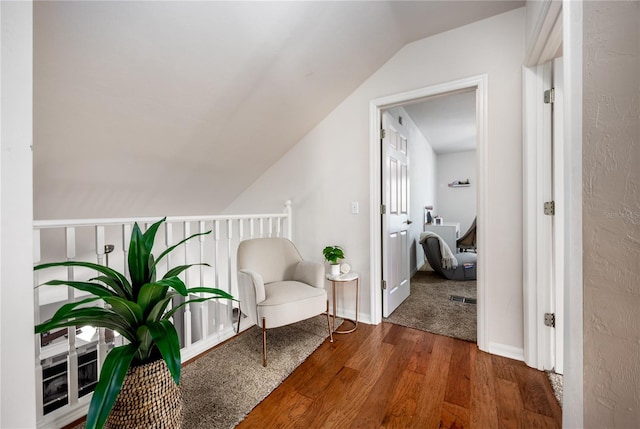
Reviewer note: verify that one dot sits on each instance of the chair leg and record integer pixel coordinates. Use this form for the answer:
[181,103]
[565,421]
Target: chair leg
[329,323]
[239,318]
[264,343]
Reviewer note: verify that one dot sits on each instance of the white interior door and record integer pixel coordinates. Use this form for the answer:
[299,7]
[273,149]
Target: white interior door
[395,217]
[544,263]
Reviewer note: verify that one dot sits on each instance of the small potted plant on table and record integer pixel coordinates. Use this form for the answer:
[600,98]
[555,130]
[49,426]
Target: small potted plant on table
[332,254]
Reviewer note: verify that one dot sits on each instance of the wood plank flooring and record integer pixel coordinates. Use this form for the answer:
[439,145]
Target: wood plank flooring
[388,376]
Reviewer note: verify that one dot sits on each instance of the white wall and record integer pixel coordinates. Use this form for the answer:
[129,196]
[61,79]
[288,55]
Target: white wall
[611,214]
[457,204]
[422,184]
[329,167]
[17,340]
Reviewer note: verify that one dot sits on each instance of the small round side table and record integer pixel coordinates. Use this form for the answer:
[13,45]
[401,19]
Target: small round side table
[343,279]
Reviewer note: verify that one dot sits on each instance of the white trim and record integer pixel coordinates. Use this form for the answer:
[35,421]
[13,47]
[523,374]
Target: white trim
[18,403]
[572,28]
[480,84]
[559,220]
[506,351]
[573,400]
[546,38]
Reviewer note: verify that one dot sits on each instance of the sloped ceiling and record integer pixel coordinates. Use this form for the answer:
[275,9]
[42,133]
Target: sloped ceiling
[161,108]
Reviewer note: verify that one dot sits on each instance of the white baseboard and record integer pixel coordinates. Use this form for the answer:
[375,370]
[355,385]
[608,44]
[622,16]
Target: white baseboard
[503,350]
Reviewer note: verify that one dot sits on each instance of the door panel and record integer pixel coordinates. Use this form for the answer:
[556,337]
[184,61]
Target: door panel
[395,222]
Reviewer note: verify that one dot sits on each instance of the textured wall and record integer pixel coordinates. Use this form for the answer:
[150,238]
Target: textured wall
[611,210]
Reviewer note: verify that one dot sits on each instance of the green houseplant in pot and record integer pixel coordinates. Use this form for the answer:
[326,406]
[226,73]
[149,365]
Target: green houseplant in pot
[140,310]
[332,254]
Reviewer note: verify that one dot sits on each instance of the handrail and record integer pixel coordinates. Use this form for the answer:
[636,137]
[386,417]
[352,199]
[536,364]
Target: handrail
[42,224]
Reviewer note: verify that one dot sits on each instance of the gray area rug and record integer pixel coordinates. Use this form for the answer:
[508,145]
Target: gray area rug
[222,386]
[428,307]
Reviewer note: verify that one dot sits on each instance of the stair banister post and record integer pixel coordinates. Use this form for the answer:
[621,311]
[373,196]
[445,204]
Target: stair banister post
[287,210]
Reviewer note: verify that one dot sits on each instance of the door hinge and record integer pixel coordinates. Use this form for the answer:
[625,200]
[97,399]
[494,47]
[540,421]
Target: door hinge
[383,209]
[550,208]
[550,96]
[383,133]
[550,320]
[384,285]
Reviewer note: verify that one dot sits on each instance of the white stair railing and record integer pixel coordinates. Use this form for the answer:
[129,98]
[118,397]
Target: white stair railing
[68,361]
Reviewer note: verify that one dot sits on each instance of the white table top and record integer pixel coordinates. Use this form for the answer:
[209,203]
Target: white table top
[347,277]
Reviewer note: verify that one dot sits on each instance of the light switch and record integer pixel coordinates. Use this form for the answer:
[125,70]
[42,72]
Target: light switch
[355,208]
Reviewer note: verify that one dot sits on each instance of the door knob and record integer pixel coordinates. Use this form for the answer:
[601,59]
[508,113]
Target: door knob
[408,222]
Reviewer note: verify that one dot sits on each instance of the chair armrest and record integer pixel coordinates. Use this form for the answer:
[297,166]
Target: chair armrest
[250,288]
[311,273]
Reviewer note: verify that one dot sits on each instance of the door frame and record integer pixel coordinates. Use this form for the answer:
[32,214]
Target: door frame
[570,15]
[478,83]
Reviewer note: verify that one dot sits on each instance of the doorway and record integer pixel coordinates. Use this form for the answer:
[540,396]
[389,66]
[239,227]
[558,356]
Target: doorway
[440,134]
[478,84]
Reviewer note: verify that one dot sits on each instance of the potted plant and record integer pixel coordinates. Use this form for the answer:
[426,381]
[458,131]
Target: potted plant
[332,254]
[140,310]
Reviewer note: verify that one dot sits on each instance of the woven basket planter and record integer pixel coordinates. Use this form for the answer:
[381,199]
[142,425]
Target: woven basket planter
[149,399]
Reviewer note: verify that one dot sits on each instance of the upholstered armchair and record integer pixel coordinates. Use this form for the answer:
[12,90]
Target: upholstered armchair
[276,287]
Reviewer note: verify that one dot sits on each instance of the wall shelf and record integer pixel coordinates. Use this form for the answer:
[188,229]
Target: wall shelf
[459,184]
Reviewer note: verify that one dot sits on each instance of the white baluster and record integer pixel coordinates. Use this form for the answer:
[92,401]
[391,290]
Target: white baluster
[278,227]
[240,229]
[288,212]
[126,238]
[229,272]
[168,240]
[119,340]
[204,306]
[261,223]
[72,358]
[240,238]
[187,308]
[251,228]
[216,272]
[100,244]
[270,227]
[102,344]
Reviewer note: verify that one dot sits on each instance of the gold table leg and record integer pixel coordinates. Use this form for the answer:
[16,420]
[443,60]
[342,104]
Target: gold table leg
[355,322]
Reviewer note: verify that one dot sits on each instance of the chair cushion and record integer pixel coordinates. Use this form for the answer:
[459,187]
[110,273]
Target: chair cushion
[290,301]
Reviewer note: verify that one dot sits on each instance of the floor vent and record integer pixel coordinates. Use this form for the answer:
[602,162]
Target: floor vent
[462,299]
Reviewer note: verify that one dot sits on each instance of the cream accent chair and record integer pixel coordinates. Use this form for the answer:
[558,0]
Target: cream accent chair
[277,287]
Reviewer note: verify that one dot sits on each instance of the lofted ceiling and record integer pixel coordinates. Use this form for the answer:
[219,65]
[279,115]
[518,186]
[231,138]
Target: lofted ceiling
[137,104]
[448,122]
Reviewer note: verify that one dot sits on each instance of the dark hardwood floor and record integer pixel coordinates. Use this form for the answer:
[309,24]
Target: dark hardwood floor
[388,376]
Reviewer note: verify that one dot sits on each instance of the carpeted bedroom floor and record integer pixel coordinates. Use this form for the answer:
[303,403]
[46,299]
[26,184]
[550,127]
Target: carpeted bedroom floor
[429,308]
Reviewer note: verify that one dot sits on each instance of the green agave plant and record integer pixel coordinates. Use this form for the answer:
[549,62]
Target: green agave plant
[137,309]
